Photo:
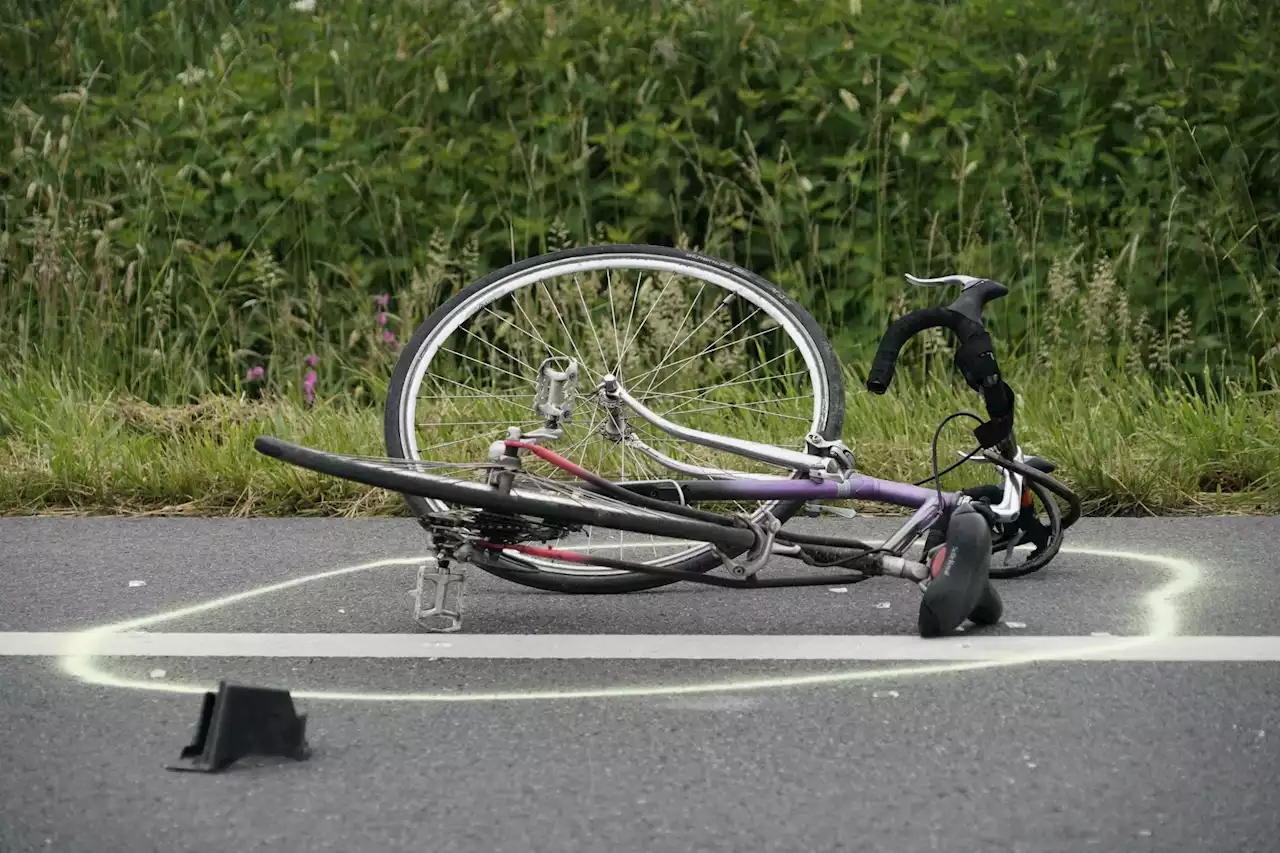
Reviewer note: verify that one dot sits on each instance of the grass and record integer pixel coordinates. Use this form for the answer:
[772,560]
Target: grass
[1126,445]
[194,189]
[215,210]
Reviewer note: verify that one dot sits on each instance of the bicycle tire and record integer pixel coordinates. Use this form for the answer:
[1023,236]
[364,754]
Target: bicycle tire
[1034,564]
[833,406]
[475,495]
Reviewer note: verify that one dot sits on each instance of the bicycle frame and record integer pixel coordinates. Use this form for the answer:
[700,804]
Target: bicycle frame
[828,479]
[828,473]
[492,520]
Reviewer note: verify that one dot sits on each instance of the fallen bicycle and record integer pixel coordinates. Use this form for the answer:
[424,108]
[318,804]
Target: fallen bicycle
[506,503]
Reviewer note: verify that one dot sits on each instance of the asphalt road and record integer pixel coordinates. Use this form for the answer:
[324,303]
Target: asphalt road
[517,752]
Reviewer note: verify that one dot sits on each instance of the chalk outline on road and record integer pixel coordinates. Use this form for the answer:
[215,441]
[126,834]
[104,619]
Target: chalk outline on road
[83,649]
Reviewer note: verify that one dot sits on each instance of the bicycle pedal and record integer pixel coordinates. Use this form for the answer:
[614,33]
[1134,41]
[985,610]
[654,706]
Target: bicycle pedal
[438,598]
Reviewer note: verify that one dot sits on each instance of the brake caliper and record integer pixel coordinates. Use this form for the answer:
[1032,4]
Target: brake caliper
[553,399]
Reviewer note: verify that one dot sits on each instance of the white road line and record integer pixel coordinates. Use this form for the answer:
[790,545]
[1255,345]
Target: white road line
[639,646]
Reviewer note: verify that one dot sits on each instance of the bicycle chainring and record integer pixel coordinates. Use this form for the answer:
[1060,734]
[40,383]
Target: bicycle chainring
[468,524]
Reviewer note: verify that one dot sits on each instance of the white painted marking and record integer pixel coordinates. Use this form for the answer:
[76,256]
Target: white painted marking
[971,647]
[79,661]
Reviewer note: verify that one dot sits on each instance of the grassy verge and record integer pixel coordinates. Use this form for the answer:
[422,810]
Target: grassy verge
[194,189]
[1126,445]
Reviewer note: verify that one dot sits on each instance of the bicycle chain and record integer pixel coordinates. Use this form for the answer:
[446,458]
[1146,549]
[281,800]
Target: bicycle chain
[466,524]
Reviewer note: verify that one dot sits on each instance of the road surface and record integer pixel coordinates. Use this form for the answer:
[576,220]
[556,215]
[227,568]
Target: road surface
[1129,702]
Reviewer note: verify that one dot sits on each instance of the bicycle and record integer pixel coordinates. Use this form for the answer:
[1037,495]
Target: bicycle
[506,503]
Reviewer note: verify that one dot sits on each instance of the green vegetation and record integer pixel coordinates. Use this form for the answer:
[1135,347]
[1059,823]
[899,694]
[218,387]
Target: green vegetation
[1127,446]
[195,188]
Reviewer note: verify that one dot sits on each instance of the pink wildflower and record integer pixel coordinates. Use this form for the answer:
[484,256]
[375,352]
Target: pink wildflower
[255,374]
[312,360]
[309,387]
[382,300]
[382,318]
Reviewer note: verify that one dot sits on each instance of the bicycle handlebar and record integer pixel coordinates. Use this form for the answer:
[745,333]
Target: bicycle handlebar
[895,338]
[975,356]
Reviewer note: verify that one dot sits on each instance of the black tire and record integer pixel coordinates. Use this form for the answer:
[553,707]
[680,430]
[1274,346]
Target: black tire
[415,484]
[828,364]
[1034,564]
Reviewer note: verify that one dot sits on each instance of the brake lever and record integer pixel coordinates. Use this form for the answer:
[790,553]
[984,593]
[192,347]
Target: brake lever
[967,281]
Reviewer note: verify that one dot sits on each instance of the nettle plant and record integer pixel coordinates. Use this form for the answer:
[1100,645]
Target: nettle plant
[195,189]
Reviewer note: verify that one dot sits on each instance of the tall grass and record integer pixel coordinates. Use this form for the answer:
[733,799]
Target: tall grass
[1126,445]
[198,188]
[221,218]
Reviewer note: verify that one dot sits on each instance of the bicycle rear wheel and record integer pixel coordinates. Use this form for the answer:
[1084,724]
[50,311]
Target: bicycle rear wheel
[563,510]
[700,341]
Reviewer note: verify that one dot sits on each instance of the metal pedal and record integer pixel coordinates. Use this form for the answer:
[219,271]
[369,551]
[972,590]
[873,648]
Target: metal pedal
[438,598]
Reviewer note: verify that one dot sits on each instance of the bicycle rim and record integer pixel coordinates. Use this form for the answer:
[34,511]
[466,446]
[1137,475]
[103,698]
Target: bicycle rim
[518,309]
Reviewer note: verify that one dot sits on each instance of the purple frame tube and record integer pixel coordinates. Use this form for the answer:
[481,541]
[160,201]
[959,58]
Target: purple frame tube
[857,487]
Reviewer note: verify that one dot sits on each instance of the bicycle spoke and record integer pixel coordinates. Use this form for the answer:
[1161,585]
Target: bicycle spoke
[569,335]
[471,396]
[683,320]
[703,354]
[482,364]
[493,346]
[613,314]
[743,406]
[533,336]
[591,429]
[626,336]
[587,311]
[752,370]
[480,434]
[670,352]
[722,384]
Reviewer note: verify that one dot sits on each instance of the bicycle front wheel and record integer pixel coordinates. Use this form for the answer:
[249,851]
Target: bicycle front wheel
[701,342]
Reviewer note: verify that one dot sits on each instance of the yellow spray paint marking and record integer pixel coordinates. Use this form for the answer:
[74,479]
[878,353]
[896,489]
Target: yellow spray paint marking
[1162,620]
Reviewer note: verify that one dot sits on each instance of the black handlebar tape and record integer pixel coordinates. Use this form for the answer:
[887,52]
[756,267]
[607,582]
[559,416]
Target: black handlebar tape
[998,399]
[975,356]
[896,337]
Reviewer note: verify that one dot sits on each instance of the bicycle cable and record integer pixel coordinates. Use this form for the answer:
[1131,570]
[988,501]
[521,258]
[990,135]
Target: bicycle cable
[933,451]
[953,466]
